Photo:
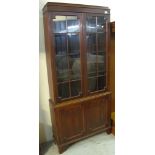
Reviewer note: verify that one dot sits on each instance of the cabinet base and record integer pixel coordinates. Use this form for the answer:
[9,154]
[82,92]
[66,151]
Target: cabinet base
[108,131]
[62,149]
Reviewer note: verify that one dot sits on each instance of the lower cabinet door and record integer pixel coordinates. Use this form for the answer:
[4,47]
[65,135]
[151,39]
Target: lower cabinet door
[97,114]
[71,122]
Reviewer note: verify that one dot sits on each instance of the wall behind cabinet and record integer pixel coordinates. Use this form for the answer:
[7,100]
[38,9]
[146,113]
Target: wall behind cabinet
[45,126]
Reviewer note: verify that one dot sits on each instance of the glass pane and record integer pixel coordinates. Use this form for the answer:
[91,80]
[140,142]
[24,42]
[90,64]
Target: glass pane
[75,88]
[72,24]
[101,54]
[74,53]
[91,66]
[100,24]
[101,82]
[59,24]
[92,84]
[60,44]
[91,24]
[91,55]
[63,90]
[73,45]
[91,43]
[101,43]
[62,68]
[63,75]
[75,69]
[101,64]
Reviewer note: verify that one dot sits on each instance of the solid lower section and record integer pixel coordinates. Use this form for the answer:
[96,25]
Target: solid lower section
[80,119]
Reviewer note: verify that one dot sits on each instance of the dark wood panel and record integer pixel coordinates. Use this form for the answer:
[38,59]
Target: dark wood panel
[64,146]
[96,114]
[71,122]
[48,48]
[82,99]
[50,6]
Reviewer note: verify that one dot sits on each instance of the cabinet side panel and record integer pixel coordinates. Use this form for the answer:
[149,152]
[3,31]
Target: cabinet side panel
[112,64]
[48,55]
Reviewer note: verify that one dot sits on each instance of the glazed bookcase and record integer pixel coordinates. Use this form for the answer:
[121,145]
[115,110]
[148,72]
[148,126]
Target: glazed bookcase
[77,53]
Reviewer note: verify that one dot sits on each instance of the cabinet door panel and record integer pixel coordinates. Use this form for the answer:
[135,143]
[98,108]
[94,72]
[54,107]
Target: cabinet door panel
[66,35]
[96,50]
[97,114]
[71,122]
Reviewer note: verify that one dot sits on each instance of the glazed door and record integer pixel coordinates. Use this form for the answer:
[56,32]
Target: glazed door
[96,49]
[66,36]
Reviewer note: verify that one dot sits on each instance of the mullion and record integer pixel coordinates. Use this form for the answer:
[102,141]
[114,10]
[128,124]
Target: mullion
[66,32]
[91,77]
[70,81]
[71,54]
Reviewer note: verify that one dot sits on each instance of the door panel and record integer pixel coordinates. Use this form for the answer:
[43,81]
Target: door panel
[96,49]
[97,114]
[71,122]
[66,35]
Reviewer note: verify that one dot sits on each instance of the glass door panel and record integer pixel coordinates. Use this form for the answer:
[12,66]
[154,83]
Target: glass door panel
[92,84]
[75,88]
[62,68]
[101,64]
[60,24]
[73,24]
[74,45]
[91,43]
[76,69]
[91,24]
[96,52]
[60,44]
[67,51]
[74,55]
[101,82]
[100,24]
[63,90]
[101,43]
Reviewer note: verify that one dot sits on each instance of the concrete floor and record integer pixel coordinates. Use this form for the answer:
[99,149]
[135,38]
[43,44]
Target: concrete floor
[101,144]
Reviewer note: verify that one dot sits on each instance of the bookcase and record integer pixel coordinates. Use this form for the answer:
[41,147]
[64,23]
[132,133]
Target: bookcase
[77,54]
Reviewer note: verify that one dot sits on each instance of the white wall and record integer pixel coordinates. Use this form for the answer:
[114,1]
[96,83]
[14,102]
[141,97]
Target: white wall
[45,132]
